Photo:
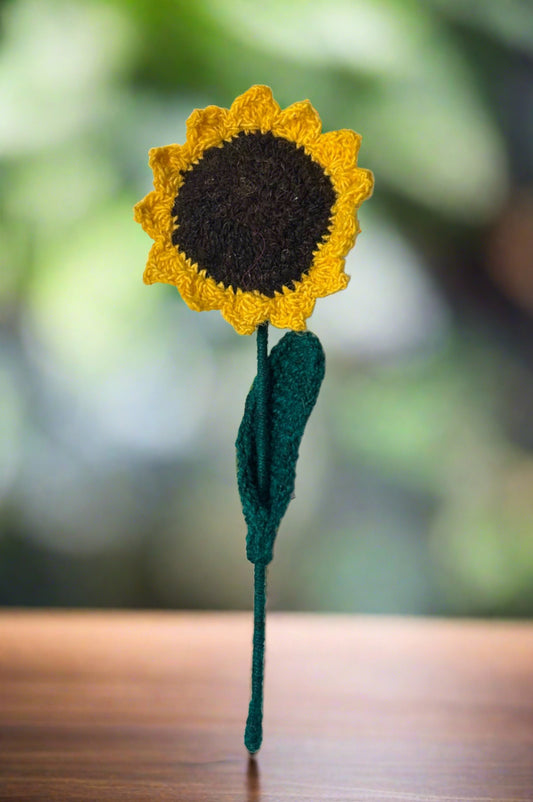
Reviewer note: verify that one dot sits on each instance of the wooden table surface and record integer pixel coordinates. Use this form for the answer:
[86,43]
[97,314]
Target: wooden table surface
[151,706]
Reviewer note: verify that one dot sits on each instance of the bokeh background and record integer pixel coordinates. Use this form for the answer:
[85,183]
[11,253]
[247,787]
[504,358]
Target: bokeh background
[119,407]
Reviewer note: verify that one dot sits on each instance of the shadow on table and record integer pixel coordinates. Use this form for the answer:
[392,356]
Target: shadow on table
[253,782]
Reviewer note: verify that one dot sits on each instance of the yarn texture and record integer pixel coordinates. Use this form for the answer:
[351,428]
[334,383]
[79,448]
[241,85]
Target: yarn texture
[254,215]
[296,367]
[277,408]
[253,211]
[268,211]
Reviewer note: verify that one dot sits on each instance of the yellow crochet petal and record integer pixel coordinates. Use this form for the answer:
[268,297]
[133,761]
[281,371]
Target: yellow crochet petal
[291,309]
[299,123]
[344,228]
[364,185]
[255,110]
[245,311]
[326,276]
[166,163]
[153,214]
[143,213]
[199,291]
[161,265]
[206,128]
[336,150]
[167,265]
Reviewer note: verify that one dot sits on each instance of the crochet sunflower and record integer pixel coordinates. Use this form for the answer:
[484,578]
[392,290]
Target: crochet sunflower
[254,216]
[255,213]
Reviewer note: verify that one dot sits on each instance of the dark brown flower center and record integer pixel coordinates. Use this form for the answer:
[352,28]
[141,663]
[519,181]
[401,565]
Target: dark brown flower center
[252,212]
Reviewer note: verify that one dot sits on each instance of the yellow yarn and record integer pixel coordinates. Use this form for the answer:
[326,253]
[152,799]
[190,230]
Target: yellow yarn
[335,151]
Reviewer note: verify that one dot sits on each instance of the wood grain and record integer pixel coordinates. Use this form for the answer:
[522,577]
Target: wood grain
[151,707]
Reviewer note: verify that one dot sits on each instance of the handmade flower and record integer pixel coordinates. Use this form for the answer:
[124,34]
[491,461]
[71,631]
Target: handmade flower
[255,213]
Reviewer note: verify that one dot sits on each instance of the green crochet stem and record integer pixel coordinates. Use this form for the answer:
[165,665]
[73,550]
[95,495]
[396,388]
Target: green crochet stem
[253,734]
[275,414]
[262,412]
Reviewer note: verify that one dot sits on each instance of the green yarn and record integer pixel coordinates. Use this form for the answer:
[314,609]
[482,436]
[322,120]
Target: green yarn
[277,408]
[296,368]
[253,734]
[262,412]
[254,725]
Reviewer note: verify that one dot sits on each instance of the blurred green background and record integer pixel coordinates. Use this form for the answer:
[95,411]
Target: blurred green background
[119,407]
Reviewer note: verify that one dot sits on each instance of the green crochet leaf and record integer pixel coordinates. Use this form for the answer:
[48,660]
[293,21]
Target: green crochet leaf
[296,367]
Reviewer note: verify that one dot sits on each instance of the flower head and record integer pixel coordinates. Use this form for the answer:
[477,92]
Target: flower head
[255,213]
